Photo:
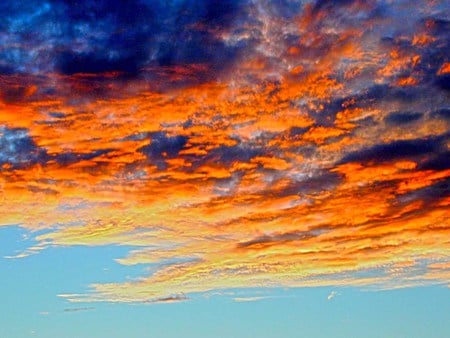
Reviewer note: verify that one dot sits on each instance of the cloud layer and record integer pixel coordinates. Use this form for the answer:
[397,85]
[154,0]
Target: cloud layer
[233,144]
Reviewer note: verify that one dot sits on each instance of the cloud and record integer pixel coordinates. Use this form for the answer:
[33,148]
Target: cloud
[332,295]
[17,148]
[110,37]
[443,82]
[229,144]
[267,240]
[163,146]
[169,299]
[397,150]
[248,299]
[78,309]
[443,113]
[439,161]
[399,118]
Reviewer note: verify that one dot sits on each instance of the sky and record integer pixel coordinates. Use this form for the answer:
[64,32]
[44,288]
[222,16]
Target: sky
[224,168]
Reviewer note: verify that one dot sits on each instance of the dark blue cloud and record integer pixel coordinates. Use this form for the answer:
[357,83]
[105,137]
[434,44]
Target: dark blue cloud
[396,150]
[369,97]
[295,131]
[443,82]
[436,191]
[439,161]
[227,155]
[162,147]
[443,113]
[6,69]
[379,93]
[116,35]
[400,118]
[429,194]
[319,182]
[435,54]
[57,115]
[322,5]
[18,149]
[286,9]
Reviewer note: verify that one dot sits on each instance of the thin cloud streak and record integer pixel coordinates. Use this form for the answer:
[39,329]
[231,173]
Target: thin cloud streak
[332,295]
[78,309]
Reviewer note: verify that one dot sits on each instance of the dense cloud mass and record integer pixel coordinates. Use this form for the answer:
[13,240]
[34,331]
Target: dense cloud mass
[233,144]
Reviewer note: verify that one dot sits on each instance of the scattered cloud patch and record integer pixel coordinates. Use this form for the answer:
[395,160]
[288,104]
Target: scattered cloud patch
[248,299]
[332,295]
[78,309]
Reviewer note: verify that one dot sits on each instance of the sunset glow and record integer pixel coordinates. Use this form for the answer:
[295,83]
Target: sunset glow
[227,145]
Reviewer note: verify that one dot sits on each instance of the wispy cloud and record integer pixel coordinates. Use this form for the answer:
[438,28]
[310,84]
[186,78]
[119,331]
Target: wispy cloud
[332,295]
[78,309]
[169,299]
[248,299]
